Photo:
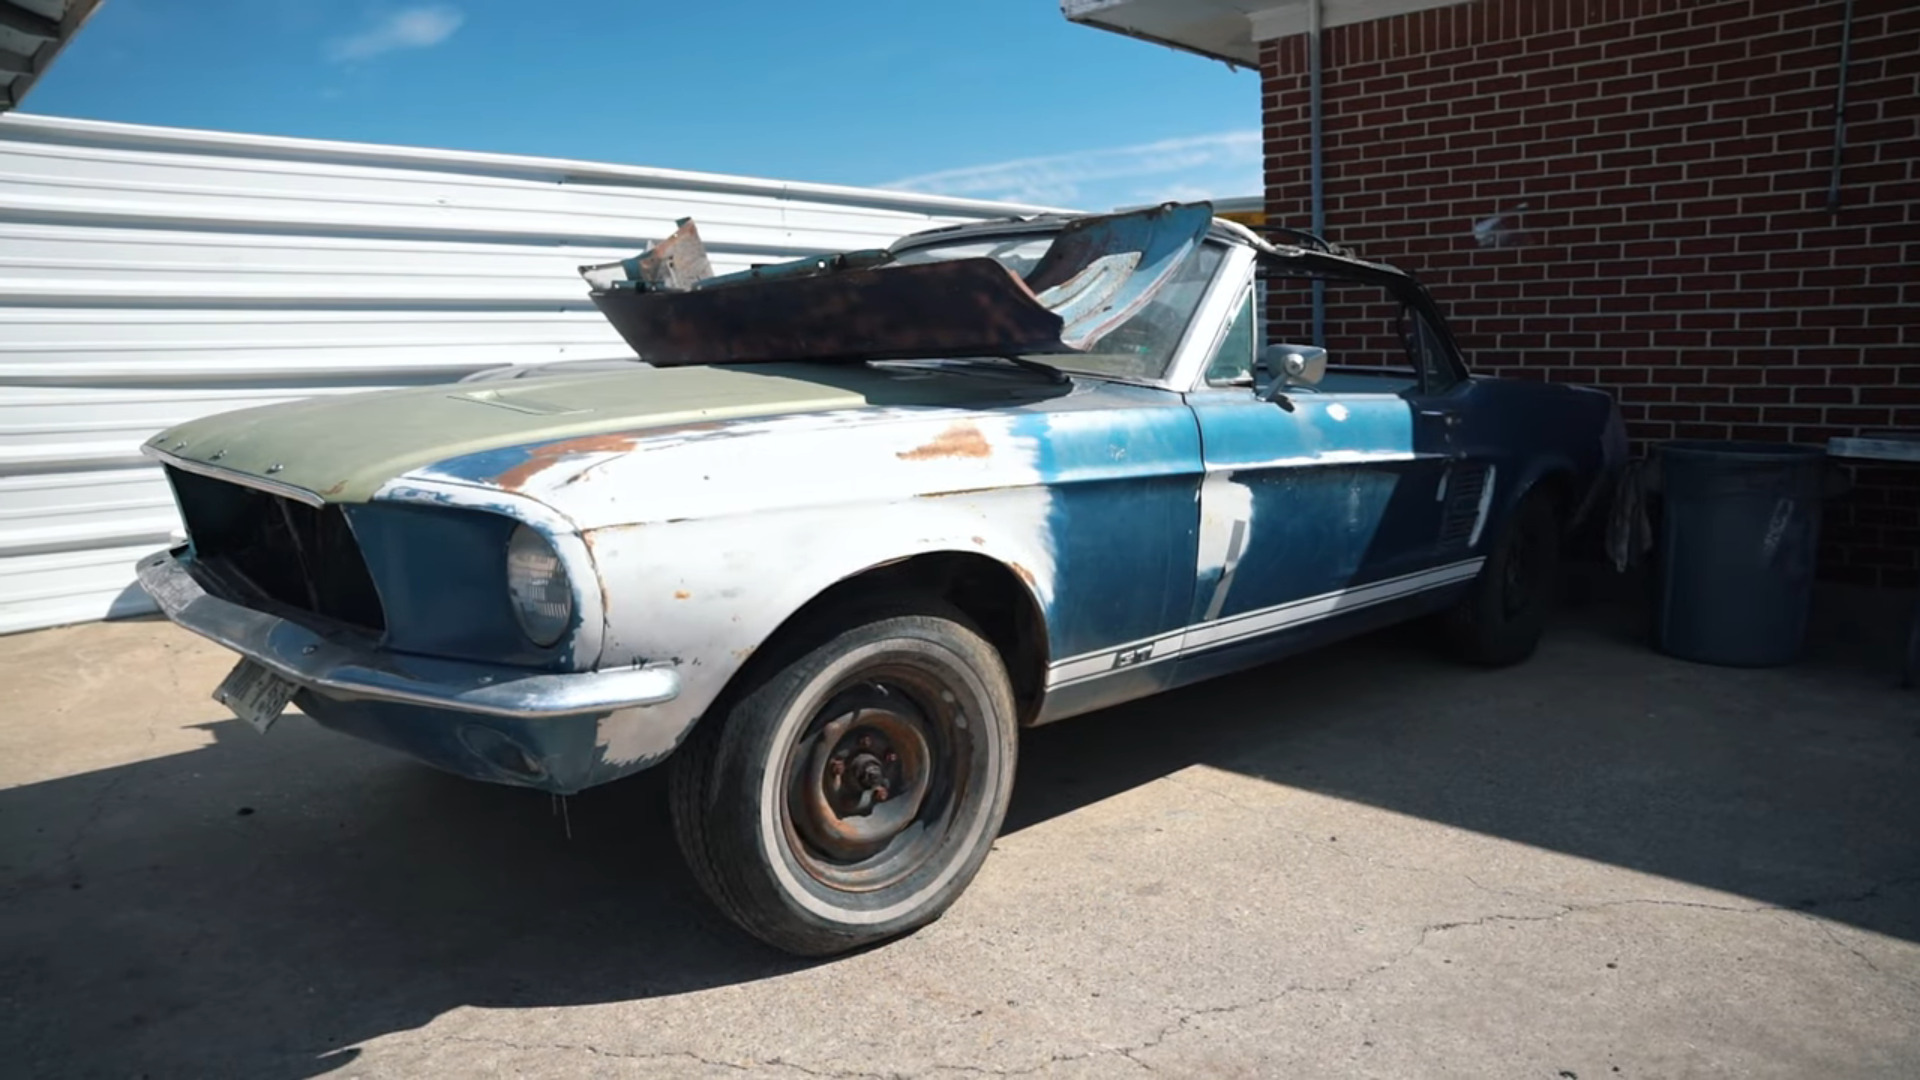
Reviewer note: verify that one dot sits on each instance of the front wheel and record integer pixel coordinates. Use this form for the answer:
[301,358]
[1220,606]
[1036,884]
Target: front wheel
[851,796]
[1503,614]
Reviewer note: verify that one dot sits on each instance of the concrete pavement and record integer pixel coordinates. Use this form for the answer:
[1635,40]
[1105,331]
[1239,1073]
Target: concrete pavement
[1365,862]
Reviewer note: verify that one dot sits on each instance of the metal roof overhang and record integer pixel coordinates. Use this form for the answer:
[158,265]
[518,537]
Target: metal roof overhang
[32,33]
[1228,30]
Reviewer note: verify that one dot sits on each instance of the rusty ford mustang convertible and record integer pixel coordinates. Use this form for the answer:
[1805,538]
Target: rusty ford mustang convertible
[857,519]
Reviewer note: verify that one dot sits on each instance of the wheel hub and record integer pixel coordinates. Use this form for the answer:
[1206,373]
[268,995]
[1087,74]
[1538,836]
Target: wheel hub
[864,781]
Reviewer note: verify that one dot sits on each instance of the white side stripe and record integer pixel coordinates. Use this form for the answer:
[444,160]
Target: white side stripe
[1253,624]
[1108,661]
[1266,620]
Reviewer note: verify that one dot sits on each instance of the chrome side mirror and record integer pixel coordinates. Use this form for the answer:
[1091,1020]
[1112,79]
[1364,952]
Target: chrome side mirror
[1294,365]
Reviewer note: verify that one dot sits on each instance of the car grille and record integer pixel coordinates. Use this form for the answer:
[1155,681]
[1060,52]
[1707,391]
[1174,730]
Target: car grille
[257,546]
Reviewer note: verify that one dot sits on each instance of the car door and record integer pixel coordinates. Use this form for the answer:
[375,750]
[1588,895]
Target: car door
[1319,505]
[1444,403]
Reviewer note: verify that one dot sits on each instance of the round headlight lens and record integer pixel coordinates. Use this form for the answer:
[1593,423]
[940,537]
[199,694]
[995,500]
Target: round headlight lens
[537,580]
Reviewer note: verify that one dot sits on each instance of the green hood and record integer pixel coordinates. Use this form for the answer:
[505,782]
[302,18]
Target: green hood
[343,448]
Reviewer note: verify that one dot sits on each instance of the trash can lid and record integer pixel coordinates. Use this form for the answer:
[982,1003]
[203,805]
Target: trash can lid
[1754,453]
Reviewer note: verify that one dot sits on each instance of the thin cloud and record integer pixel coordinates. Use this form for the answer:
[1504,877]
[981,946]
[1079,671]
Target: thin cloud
[1218,165]
[420,27]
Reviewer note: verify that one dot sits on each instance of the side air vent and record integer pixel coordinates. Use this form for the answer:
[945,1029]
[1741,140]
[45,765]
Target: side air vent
[1466,485]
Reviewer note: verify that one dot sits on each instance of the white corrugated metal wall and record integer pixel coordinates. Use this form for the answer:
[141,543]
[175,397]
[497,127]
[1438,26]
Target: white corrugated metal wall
[151,275]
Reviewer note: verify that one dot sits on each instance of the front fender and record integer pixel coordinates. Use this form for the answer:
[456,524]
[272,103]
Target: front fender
[703,595]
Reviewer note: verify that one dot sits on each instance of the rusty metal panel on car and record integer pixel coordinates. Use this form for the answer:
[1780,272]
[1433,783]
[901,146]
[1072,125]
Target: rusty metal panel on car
[1099,272]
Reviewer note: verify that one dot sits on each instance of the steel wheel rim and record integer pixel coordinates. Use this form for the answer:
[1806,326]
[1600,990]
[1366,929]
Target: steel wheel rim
[874,781]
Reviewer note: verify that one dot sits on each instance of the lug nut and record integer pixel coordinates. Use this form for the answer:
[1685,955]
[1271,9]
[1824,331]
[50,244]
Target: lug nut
[892,757]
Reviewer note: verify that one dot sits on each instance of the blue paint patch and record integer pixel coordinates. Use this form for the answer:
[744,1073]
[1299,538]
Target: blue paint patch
[1341,493]
[442,577]
[1241,431]
[482,467]
[1122,467]
[1313,530]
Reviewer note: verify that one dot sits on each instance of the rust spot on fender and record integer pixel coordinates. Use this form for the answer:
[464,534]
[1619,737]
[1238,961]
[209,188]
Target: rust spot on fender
[1026,575]
[606,595]
[960,440]
[681,594]
[334,490]
[542,458]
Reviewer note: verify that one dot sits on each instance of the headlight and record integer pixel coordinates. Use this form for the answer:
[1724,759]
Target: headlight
[542,596]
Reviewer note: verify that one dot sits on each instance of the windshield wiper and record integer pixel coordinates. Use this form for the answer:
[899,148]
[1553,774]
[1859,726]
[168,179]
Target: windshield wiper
[1048,371]
[1052,373]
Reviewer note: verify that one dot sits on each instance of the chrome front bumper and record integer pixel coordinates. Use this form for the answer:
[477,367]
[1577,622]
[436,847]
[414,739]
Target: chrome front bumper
[351,672]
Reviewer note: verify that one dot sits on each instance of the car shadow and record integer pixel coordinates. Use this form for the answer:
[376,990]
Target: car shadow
[259,906]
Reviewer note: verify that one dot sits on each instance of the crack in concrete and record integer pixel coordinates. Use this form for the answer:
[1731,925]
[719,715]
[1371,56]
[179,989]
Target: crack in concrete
[1185,1019]
[1802,908]
[1826,931]
[1872,893]
[1131,1052]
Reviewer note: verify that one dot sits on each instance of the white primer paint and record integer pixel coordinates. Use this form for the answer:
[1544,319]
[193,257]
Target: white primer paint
[702,543]
[630,736]
[1226,530]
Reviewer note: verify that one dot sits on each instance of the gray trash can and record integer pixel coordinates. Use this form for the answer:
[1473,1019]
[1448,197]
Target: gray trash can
[1740,528]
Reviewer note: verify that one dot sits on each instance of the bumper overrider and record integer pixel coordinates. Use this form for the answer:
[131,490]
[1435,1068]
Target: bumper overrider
[546,730]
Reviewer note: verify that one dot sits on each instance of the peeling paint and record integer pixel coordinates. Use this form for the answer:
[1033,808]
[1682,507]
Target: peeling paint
[1226,527]
[543,457]
[681,594]
[960,440]
[630,736]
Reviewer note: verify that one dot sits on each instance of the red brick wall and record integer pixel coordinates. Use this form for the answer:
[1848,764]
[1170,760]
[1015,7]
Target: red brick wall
[1675,248]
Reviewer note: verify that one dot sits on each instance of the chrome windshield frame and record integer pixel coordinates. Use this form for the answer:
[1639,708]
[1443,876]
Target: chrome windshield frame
[1236,254]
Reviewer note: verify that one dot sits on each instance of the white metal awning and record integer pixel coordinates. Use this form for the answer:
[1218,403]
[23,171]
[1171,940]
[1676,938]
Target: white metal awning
[32,33]
[1229,30]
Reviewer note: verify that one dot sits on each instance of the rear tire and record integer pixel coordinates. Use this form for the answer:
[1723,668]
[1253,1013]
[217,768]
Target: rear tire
[852,795]
[1503,614]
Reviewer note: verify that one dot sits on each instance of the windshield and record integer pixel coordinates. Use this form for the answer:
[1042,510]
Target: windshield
[1140,348]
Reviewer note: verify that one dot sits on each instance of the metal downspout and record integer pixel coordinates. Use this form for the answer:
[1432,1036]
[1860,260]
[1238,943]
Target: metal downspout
[1840,108]
[1315,171]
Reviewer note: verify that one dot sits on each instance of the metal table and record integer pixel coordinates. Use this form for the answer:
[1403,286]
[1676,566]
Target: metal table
[1890,446]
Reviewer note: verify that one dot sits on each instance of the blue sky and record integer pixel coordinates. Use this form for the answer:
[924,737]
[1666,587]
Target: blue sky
[983,98]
